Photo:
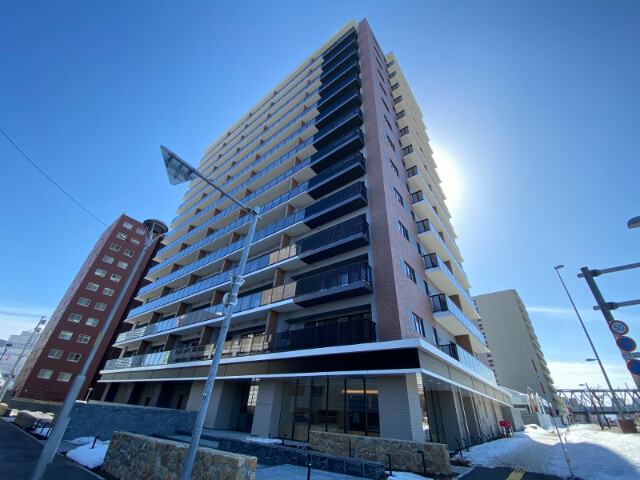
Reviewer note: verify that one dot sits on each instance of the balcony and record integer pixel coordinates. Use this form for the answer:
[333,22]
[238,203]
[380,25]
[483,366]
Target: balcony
[337,205]
[351,98]
[337,284]
[344,333]
[338,127]
[341,147]
[452,318]
[435,244]
[336,176]
[443,278]
[344,237]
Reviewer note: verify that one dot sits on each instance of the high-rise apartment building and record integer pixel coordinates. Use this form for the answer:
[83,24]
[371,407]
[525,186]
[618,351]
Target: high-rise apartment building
[514,344]
[355,315]
[74,326]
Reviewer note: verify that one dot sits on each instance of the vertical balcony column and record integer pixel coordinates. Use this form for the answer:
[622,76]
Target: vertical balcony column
[290,210]
[144,346]
[155,318]
[206,335]
[169,343]
[272,322]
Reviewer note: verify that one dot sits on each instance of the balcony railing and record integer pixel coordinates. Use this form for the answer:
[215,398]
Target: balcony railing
[468,360]
[425,226]
[450,349]
[442,304]
[334,234]
[338,277]
[431,260]
[344,333]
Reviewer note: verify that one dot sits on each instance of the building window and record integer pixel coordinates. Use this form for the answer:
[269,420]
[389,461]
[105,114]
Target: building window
[121,236]
[393,74]
[394,168]
[84,301]
[418,324]
[407,150]
[44,373]
[122,264]
[404,131]
[100,306]
[101,272]
[127,225]
[391,64]
[128,253]
[397,100]
[400,114]
[391,143]
[115,247]
[92,322]
[135,241]
[75,317]
[115,277]
[55,353]
[82,338]
[395,86]
[107,259]
[74,357]
[141,231]
[398,196]
[108,291]
[410,272]
[403,230]
[92,286]
[65,335]
[64,376]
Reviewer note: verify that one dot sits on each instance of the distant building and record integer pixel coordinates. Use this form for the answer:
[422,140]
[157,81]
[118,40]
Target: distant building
[355,315]
[73,328]
[13,352]
[513,344]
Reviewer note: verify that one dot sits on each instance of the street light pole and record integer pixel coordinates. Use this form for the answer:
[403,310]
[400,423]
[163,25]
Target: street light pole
[5,387]
[154,228]
[595,352]
[180,171]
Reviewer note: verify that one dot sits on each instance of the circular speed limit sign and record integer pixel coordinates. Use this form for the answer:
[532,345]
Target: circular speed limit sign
[618,327]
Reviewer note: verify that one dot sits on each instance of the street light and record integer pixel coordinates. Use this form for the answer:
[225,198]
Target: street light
[180,171]
[604,373]
[155,228]
[633,222]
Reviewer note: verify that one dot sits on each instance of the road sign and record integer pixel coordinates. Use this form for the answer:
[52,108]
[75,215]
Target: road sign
[626,344]
[630,355]
[618,327]
[634,366]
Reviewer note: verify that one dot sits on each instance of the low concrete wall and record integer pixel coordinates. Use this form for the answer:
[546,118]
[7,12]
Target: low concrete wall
[100,418]
[405,455]
[131,457]
[541,419]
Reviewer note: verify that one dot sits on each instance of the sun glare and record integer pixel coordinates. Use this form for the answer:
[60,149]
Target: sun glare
[451,179]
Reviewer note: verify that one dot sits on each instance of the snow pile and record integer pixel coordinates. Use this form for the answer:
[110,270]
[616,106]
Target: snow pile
[87,456]
[263,440]
[594,454]
[407,476]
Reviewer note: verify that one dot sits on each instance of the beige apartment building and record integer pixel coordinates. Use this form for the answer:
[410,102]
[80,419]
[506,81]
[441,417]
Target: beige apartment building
[514,344]
[355,314]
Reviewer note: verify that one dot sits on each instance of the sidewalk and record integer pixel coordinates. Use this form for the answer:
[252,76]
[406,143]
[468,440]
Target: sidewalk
[19,453]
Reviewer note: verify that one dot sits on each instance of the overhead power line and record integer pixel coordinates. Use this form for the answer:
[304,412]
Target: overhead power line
[51,179]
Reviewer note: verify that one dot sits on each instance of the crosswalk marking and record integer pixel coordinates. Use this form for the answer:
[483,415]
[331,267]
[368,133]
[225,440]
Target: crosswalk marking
[517,474]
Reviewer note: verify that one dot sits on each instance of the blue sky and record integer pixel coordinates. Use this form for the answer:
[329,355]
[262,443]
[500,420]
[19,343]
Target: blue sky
[532,109]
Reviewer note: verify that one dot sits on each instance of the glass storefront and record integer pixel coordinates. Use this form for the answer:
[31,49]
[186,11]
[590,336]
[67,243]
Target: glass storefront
[329,404]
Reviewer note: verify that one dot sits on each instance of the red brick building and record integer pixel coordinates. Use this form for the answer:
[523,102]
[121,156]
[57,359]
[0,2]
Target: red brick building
[73,328]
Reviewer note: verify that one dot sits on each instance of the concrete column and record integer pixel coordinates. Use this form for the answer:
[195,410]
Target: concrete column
[219,414]
[400,410]
[268,405]
[452,419]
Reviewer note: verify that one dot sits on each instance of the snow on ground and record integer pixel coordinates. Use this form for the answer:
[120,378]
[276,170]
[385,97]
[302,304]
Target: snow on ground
[263,440]
[87,456]
[407,476]
[594,454]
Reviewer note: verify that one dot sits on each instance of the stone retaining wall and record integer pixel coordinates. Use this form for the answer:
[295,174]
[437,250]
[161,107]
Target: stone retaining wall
[102,419]
[405,456]
[131,457]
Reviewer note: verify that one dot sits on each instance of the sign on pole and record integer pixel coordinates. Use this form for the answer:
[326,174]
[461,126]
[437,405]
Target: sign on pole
[618,328]
[626,344]
[634,366]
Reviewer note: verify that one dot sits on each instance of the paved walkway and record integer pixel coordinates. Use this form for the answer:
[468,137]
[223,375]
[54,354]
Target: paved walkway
[19,453]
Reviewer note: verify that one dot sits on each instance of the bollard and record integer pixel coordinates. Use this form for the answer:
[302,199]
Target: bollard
[309,471]
[424,464]
[94,441]
[389,455]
